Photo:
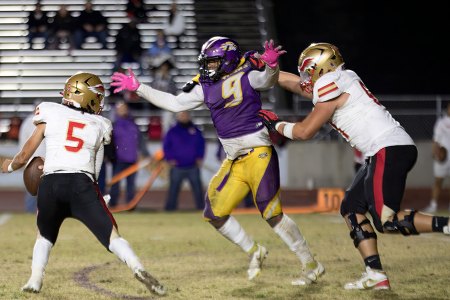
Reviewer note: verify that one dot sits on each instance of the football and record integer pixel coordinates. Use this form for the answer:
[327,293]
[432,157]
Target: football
[441,154]
[32,175]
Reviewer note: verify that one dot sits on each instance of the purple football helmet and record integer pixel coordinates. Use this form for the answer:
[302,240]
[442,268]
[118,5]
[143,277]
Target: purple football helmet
[225,50]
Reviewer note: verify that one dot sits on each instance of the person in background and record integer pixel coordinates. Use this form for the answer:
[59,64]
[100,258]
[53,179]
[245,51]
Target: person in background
[26,130]
[62,29]
[184,149]
[159,51]
[128,44]
[129,145]
[38,25]
[137,10]
[175,25]
[341,98]
[441,165]
[91,23]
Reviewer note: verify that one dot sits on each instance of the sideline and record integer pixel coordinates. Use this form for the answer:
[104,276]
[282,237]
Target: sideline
[4,218]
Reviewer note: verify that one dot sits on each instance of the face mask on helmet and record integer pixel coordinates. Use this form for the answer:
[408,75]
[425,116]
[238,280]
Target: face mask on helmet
[315,61]
[84,91]
[222,50]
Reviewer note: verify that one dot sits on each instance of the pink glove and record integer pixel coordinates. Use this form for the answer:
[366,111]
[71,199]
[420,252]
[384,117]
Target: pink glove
[125,82]
[271,54]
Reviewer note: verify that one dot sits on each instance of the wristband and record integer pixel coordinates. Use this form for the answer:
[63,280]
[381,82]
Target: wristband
[10,168]
[288,130]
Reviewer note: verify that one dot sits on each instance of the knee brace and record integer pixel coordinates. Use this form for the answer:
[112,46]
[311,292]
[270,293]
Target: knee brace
[405,226]
[358,234]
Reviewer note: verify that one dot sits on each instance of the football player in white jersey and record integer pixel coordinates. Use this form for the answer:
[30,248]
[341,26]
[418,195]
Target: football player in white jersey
[75,135]
[341,99]
[441,165]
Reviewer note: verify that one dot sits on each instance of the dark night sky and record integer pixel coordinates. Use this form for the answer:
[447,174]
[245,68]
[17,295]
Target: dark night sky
[396,47]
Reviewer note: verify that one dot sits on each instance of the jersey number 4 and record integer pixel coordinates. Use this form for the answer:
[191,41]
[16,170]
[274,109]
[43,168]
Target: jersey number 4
[72,138]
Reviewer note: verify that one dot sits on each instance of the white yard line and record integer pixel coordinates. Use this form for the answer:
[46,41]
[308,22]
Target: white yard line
[4,218]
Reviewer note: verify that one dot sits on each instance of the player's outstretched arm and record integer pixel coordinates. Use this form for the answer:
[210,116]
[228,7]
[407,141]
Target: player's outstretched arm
[291,82]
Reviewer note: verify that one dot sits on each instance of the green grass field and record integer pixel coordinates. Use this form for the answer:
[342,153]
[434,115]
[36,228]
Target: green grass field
[194,262]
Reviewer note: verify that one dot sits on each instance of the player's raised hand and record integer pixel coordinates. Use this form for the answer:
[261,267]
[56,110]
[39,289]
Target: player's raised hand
[270,119]
[125,82]
[271,54]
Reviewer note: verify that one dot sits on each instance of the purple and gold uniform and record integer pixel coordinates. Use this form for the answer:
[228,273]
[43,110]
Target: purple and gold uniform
[252,163]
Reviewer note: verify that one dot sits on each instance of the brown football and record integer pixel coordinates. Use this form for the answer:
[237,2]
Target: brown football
[32,175]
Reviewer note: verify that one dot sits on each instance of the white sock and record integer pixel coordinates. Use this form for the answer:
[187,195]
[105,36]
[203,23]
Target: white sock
[41,252]
[290,234]
[233,231]
[122,249]
[433,202]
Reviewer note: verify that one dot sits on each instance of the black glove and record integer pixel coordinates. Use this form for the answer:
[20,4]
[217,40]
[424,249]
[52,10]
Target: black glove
[270,119]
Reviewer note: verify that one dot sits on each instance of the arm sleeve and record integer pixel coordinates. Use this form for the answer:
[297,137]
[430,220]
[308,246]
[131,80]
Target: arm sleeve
[99,160]
[182,102]
[263,80]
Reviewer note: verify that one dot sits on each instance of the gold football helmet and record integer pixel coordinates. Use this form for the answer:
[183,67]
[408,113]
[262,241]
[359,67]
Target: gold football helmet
[316,60]
[85,91]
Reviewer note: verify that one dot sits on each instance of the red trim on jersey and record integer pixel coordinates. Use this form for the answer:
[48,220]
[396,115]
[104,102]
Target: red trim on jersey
[102,201]
[378,181]
[342,132]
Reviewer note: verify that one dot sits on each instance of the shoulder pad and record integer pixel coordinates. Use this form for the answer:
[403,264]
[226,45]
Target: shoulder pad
[255,63]
[327,88]
[191,84]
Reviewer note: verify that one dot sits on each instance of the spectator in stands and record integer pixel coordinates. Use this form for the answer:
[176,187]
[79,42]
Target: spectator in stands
[62,29]
[128,44]
[175,25]
[129,144]
[38,25]
[163,80]
[441,165]
[91,23]
[159,50]
[184,149]
[137,10]
[26,130]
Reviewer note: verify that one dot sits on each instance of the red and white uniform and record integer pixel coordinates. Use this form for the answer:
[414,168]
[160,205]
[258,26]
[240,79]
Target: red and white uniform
[72,139]
[362,120]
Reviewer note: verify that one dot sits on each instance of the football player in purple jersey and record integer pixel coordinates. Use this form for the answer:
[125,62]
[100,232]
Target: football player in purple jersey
[229,85]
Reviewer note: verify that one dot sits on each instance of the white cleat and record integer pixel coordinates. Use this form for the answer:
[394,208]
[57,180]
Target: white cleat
[33,285]
[431,208]
[446,230]
[256,261]
[150,282]
[310,274]
[372,279]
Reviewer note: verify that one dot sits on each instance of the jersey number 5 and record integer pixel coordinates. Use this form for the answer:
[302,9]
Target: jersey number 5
[70,137]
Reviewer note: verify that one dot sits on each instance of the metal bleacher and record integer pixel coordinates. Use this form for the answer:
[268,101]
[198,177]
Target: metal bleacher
[28,72]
